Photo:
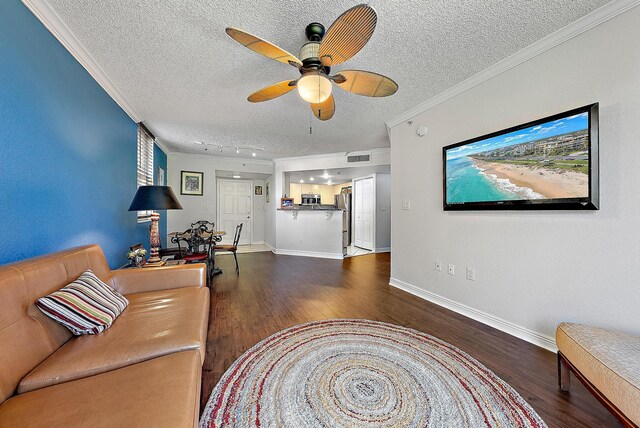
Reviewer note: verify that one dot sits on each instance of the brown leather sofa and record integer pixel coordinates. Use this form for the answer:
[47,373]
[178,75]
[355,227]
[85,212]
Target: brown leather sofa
[143,371]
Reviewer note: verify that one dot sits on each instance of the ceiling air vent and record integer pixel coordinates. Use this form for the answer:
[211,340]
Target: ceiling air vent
[358,158]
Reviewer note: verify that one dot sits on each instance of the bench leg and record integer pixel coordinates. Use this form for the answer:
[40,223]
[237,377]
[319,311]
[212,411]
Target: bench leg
[564,374]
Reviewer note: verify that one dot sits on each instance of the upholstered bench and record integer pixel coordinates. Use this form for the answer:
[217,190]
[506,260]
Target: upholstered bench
[607,362]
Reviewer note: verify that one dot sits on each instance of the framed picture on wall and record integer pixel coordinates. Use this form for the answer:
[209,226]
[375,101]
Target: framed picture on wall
[191,183]
[258,191]
[162,180]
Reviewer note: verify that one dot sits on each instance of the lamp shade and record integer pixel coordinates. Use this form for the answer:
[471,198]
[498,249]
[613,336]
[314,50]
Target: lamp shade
[151,198]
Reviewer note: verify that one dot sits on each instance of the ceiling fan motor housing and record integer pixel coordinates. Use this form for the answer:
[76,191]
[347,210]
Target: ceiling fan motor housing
[314,32]
[309,55]
[309,51]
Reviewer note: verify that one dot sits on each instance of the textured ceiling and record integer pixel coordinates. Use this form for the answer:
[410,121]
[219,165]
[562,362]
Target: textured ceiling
[174,63]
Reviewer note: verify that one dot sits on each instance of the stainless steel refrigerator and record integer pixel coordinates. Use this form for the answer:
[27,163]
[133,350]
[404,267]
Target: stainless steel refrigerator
[343,202]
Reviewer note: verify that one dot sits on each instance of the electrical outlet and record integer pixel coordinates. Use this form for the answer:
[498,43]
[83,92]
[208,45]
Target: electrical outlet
[406,205]
[471,274]
[438,266]
[452,269]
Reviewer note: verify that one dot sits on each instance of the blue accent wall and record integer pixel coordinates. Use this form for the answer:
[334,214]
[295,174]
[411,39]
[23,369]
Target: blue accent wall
[67,150]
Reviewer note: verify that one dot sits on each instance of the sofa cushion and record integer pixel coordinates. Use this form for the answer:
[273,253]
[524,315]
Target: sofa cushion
[162,392]
[155,324]
[86,306]
[609,359]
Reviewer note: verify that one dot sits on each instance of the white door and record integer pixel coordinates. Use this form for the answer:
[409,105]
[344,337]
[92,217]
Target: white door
[234,207]
[364,222]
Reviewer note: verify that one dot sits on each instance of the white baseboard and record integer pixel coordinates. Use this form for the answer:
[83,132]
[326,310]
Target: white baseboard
[272,248]
[258,243]
[383,250]
[308,254]
[518,331]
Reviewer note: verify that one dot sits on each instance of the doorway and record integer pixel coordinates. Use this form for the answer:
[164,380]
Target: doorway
[364,212]
[235,207]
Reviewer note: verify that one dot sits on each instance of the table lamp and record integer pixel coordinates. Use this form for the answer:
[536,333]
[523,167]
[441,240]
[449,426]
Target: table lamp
[152,198]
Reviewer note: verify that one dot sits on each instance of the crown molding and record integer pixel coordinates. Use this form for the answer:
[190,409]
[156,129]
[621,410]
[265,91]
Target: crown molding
[163,147]
[50,19]
[587,22]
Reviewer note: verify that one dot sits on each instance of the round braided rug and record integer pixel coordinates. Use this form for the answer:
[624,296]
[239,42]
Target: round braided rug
[354,373]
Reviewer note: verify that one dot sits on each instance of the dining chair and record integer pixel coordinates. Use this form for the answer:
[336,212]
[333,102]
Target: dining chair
[199,249]
[232,248]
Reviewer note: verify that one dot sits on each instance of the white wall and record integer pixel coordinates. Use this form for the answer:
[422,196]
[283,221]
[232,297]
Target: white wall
[204,207]
[259,211]
[534,269]
[269,215]
[383,212]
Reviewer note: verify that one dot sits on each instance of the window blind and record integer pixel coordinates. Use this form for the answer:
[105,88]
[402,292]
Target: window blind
[145,164]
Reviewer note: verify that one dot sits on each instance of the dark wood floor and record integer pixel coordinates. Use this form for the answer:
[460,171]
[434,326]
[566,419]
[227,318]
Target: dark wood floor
[275,292]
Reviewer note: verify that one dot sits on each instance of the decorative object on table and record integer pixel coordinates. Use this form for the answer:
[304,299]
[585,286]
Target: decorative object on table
[152,198]
[162,180]
[361,373]
[232,248]
[286,203]
[257,191]
[191,183]
[136,255]
[70,305]
[266,191]
[344,38]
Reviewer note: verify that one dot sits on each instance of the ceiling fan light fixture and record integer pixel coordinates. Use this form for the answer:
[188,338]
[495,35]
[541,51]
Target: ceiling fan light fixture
[314,87]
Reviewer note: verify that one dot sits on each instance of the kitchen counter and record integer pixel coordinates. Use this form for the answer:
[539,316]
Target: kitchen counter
[310,209]
[309,234]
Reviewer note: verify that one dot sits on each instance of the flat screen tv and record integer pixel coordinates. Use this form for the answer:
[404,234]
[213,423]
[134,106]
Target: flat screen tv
[550,163]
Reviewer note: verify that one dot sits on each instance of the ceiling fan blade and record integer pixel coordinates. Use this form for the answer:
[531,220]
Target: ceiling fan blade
[347,35]
[263,47]
[324,110]
[365,83]
[273,91]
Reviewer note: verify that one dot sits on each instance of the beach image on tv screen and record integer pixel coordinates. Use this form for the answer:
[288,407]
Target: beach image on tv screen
[545,161]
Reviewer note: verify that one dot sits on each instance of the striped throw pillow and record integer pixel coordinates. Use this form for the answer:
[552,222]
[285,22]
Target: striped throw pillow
[86,306]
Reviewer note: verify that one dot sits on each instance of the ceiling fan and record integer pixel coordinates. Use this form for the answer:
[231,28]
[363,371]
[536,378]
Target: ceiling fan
[345,37]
